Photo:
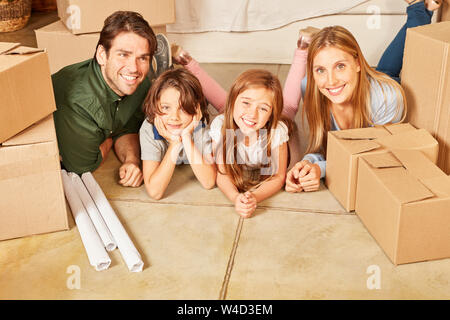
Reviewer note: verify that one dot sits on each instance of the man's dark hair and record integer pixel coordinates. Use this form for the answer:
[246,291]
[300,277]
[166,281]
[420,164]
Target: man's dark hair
[126,21]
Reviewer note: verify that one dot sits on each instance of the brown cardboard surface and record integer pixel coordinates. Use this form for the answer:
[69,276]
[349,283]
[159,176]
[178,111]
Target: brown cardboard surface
[30,183]
[87,16]
[65,48]
[426,81]
[25,99]
[344,148]
[405,211]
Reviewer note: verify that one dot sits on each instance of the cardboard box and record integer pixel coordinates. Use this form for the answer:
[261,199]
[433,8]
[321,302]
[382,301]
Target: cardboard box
[32,196]
[346,146]
[426,81]
[65,48]
[26,90]
[403,199]
[86,16]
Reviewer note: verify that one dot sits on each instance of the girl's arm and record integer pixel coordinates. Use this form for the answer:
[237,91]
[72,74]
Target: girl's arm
[157,175]
[276,182]
[204,170]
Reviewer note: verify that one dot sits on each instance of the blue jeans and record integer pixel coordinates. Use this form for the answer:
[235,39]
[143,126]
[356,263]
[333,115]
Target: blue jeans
[391,61]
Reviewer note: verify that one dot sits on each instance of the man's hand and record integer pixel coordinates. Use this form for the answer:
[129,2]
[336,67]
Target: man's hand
[130,175]
[245,204]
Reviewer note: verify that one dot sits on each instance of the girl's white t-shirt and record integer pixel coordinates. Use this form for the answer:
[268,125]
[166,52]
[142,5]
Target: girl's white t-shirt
[255,154]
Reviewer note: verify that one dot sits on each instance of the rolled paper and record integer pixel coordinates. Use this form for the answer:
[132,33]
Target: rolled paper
[94,214]
[126,247]
[97,255]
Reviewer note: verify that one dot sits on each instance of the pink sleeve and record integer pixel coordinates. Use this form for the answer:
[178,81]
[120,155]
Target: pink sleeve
[213,92]
[292,91]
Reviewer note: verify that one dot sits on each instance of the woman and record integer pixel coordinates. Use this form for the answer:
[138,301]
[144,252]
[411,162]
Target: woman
[342,92]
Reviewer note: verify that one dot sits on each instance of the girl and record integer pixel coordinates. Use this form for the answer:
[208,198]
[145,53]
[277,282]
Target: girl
[342,92]
[418,13]
[173,132]
[250,141]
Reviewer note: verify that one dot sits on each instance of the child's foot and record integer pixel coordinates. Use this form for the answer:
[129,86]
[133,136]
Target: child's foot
[179,55]
[305,36]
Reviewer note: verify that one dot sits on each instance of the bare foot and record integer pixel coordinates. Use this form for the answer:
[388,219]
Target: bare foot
[305,37]
[179,55]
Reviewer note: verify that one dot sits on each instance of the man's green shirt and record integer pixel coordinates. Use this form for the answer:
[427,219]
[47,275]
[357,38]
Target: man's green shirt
[89,111]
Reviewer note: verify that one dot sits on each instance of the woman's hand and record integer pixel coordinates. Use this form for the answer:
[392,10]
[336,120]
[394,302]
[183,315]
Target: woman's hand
[304,176]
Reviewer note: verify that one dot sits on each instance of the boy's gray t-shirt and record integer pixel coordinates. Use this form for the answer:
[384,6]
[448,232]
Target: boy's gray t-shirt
[154,146]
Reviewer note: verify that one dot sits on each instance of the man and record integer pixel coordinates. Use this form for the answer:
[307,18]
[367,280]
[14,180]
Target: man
[99,101]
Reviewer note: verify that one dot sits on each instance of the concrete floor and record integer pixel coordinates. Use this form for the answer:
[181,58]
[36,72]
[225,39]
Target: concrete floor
[297,246]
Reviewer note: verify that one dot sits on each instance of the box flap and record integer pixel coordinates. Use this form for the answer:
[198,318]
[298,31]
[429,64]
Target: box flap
[23,51]
[418,164]
[6,46]
[415,139]
[383,160]
[370,133]
[360,146]
[397,128]
[439,185]
[403,185]
[42,131]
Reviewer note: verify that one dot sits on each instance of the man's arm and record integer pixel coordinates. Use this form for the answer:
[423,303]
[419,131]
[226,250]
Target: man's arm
[127,149]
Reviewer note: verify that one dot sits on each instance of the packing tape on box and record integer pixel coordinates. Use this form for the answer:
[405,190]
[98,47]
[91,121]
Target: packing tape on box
[97,255]
[94,214]
[126,247]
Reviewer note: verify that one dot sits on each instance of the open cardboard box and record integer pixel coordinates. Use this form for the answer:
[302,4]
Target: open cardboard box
[86,16]
[346,146]
[403,199]
[26,88]
[32,196]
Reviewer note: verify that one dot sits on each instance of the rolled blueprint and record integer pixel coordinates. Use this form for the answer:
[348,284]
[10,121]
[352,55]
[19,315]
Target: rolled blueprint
[94,214]
[97,255]
[126,247]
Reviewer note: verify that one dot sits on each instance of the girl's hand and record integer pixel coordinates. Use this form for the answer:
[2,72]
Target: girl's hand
[187,132]
[245,204]
[162,130]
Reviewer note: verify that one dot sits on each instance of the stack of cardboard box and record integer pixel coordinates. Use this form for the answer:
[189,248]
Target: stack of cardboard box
[31,193]
[74,38]
[388,175]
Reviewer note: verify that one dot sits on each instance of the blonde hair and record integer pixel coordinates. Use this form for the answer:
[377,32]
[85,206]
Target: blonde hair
[253,78]
[316,105]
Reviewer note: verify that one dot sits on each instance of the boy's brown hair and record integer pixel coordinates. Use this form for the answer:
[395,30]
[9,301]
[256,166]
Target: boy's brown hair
[191,94]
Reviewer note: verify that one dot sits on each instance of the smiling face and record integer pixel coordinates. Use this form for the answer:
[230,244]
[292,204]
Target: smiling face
[336,74]
[126,64]
[252,109]
[173,116]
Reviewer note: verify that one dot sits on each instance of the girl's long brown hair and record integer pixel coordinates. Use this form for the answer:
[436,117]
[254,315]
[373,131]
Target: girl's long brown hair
[254,78]
[317,106]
